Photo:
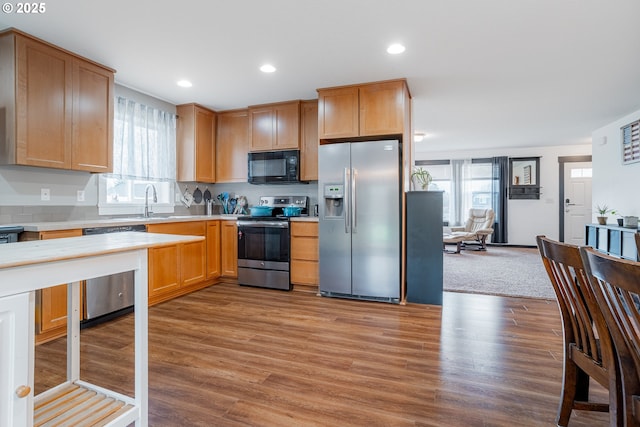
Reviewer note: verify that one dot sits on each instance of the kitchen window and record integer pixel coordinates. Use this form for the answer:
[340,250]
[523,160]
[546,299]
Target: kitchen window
[144,153]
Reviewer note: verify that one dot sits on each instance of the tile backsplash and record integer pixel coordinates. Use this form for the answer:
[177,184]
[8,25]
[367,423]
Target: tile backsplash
[24,206]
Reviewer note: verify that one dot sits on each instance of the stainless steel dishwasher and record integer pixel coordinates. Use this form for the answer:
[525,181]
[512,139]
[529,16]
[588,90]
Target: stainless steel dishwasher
[111,296]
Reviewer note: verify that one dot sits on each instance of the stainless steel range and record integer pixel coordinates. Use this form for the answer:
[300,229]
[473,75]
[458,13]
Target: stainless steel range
[263,242]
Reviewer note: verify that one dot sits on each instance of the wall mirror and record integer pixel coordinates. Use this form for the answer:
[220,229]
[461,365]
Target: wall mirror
[524,178]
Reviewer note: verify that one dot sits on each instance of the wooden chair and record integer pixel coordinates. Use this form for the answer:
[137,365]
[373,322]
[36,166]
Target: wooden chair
[616,285]
[588,348]
[638,244]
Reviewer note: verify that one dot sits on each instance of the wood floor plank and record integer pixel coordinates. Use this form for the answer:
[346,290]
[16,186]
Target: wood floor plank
[238,356]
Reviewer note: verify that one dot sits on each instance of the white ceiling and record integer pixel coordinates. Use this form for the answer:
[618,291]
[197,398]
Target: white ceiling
[483,74]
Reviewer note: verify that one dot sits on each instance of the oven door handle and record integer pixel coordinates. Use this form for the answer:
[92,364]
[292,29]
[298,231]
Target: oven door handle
[263,224]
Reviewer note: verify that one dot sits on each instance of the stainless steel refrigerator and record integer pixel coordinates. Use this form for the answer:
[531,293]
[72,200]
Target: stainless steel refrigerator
[359,220]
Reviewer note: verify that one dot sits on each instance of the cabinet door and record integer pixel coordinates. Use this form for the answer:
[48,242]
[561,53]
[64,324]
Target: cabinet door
[195,144]
[382,108]
[191,256]
[213,249]
[232,146]
[193,263]
[92,142]
[205,145]
[52,302]
[43,105]
[309,141]
[338,113]
[229,249]
[164,271]
[287,126]
[261,128]
[15,352]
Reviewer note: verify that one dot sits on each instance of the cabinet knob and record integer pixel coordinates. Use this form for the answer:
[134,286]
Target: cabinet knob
[23,391]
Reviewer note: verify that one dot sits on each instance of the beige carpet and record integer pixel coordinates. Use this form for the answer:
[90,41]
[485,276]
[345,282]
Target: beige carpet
[499,270]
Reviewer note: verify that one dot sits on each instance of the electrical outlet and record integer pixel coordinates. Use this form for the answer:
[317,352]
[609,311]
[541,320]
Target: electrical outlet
[80,196]
[45,194]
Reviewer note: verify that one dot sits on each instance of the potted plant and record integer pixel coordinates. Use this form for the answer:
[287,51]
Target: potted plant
[603,210]
[620,219]
[420,176]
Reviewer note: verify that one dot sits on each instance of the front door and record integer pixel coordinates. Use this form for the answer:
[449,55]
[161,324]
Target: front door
[577,201]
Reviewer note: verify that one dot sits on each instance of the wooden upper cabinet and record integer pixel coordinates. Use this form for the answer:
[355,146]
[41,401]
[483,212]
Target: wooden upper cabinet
[58,106]
[195,144]
[275,126]
[371,109]
[338,113]
[232,146]
[43,105]
[92,142]
[309,141]
[382,108]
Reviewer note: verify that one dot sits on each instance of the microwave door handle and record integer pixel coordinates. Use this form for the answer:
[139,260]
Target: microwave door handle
[345,200]
[354,202]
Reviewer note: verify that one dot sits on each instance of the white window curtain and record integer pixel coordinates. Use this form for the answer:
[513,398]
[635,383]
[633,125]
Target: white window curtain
[461,191]
[144,141]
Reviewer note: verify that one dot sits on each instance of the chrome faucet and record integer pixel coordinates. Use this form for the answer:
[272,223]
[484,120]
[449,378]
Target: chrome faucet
[147,212]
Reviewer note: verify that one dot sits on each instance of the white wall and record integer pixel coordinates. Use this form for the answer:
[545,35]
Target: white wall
[526,218]
[614,184]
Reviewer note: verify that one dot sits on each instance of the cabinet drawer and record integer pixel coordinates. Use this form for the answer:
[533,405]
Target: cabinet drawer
[304,248]
[194,228]
[309,229]
[304,272]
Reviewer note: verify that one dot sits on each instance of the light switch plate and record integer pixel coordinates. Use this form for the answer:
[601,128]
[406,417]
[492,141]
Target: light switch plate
[45,194]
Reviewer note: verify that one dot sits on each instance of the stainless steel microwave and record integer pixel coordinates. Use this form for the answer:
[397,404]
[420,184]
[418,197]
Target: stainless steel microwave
[274,167]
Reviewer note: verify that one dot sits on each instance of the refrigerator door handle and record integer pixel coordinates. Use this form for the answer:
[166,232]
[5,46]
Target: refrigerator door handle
[354,203]
[347,219]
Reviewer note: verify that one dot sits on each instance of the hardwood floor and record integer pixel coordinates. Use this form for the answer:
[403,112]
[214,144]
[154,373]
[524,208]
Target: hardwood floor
[237,356]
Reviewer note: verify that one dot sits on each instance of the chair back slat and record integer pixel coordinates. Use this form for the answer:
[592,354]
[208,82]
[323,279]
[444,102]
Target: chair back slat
[577,303]
[616,285]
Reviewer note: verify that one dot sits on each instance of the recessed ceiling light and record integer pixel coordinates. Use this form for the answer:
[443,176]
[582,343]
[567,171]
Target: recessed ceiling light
[395,49]
[417,137]
[184,83]
[267,68]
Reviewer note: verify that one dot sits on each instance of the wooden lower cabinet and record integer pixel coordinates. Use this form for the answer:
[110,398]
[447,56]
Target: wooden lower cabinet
[164,271]
[51,303]
[229,249]
[304,253]
[175,270]
[213,249]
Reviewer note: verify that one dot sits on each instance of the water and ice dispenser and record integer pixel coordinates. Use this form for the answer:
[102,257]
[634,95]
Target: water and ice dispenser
[334,201]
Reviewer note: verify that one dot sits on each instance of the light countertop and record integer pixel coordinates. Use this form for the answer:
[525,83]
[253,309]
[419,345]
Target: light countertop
[45,251]
[88,223]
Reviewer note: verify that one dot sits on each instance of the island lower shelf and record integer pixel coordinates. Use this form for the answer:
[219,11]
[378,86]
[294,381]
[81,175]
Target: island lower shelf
[80,403]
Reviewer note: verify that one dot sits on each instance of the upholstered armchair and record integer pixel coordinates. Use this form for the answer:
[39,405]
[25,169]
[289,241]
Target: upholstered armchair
[479,226]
